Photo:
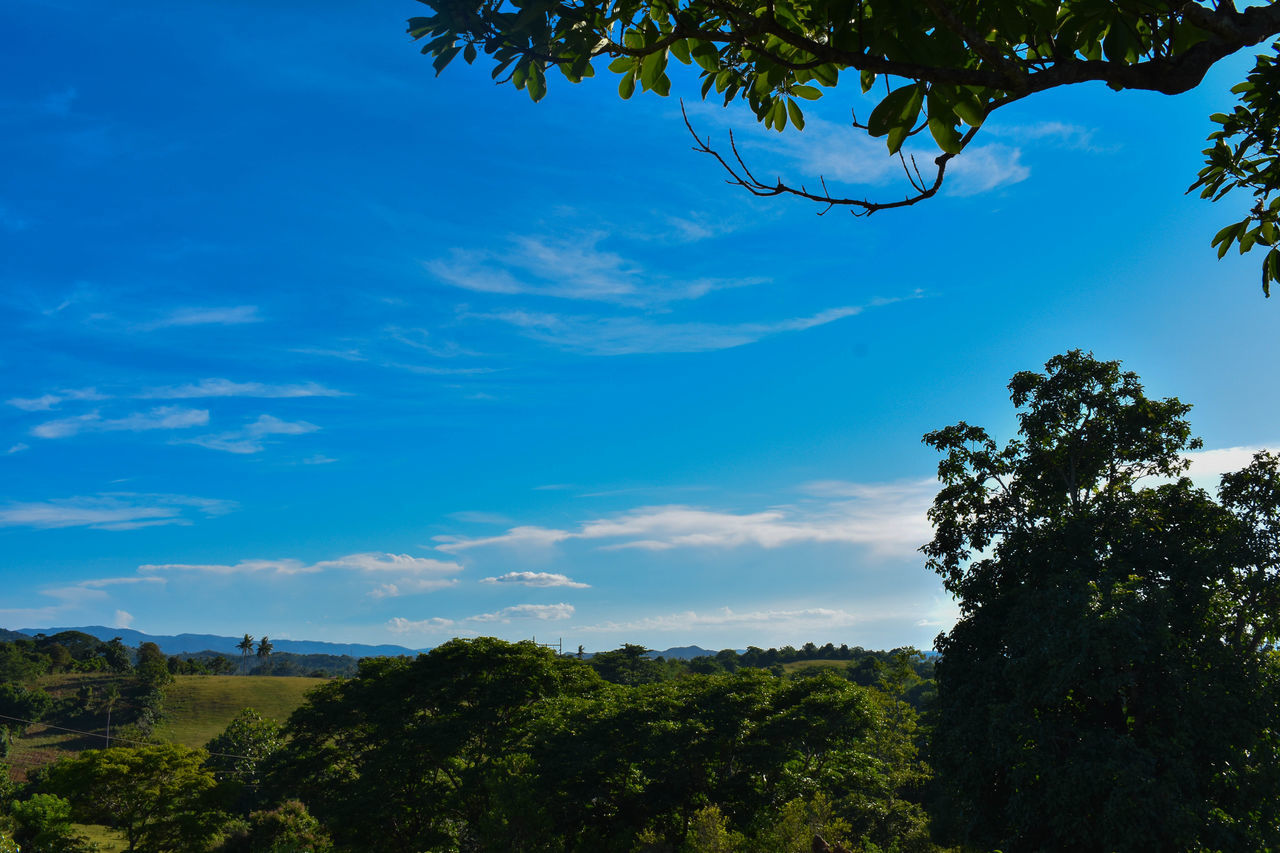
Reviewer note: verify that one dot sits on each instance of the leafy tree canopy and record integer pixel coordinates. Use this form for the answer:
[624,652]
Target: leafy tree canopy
[159,796]
[1112,683]
[943,67]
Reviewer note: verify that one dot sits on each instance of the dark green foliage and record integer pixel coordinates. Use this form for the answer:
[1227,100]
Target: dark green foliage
[20,706]
[20,660]
[152,667]
[1111,685]
[629,664]
[43,825]
[405,753]
[289,828]
[238,755]
[159,796]
[485,745]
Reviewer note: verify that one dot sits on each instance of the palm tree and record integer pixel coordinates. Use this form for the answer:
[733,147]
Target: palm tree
[264,651]
[246,648]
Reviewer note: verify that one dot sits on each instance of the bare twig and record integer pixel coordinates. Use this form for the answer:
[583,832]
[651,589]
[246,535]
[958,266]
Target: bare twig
[742,176]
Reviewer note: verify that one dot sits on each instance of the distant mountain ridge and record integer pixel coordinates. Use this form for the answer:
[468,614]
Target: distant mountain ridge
[179,643]
[176,644]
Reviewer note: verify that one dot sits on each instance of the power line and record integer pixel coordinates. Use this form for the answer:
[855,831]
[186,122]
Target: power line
[109,739]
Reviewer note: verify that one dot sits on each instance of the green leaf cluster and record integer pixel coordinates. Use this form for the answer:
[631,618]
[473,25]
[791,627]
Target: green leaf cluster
[1245,154]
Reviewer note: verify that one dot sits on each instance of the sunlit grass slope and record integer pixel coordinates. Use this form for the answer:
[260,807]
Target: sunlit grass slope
[197,707]
[807,664]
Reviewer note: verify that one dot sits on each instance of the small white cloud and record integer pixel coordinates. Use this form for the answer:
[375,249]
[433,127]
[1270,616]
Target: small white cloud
[400,625]
[536,579]
[123,619]
[1208,466]
[411,586]
[252,437]
[319,459]
[231,316]
[227,388]
[545,612]
[985,168]
[161,417]
[18,448]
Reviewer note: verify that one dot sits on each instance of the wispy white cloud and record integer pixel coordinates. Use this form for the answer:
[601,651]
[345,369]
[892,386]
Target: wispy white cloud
[252,438]
[1056,133]
[98,583]
[841,154]
[113,511]
[887,518]
[401,625]
[319,459]
[161,417]
[516,537]
[367,562]
[227,388]
[227,316]
[806,621]
[984,168]
[536,579]
[545,612]
[89,591]
[411,586]
[123,619]
[35,404]
[45,402]
[479,517]
[438,624]
[574,267]
[634,335]
[18,448]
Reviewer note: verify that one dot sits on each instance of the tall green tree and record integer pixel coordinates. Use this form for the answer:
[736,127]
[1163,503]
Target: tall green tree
[265,647]
[1112,683]
[246,648]
[412,754]
[157,795]
[936,67]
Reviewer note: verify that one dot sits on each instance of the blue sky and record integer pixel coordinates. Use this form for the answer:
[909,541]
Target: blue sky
[301,340]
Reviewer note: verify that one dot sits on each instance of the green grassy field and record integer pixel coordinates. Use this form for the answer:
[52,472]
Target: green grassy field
[196,708]
[108,840]
[808,664]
